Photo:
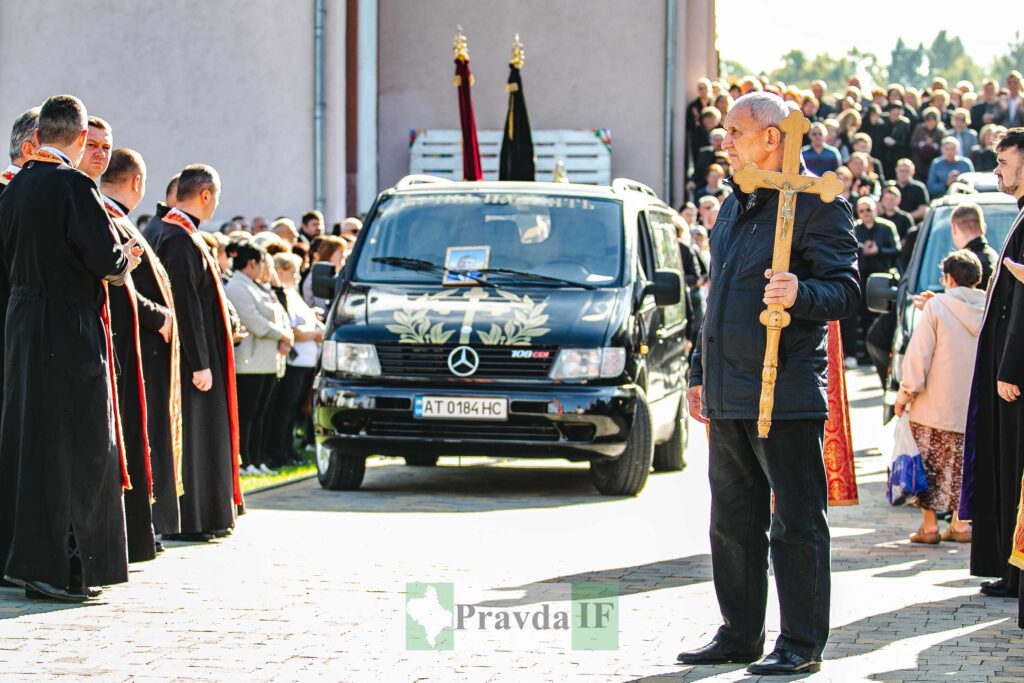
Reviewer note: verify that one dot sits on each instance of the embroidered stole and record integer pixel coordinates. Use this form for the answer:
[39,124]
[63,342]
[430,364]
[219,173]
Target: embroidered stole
[163,282]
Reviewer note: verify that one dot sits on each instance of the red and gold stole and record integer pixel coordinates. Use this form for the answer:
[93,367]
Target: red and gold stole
[178,218]
[838,446]
[114,211]
[163,282]
[8,174]
[50,155]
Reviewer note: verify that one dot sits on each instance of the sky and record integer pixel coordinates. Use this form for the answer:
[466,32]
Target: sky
[871,25]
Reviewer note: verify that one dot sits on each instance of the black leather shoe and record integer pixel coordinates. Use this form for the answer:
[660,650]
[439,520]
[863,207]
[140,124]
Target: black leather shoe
[40,590]
[716,653]
[782,662]
[220,533]
[159,547]
[997,588]
[189,537]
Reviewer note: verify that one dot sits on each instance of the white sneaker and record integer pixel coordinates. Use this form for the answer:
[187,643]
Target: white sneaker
[851,363]
[265,470]
[250,470]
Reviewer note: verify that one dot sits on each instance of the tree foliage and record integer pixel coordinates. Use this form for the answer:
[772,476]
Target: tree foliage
[946,56]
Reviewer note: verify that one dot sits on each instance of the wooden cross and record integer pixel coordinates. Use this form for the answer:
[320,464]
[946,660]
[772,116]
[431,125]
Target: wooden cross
[789,183]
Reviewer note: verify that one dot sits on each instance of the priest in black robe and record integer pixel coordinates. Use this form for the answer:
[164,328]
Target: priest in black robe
[22,145]
[130,311]
[59,425]
[124,182]
[209,399]
[994,441]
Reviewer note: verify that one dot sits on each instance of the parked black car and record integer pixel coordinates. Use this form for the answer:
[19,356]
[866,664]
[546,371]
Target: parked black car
[887,290]
[506,319]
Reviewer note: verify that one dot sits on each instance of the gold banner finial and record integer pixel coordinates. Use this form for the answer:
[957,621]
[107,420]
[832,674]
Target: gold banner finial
[460,45]
[560,176]
[518,53]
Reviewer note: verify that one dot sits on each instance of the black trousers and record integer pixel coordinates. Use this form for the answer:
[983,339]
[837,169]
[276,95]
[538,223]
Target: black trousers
[744,472]
[291,394]
[254,394]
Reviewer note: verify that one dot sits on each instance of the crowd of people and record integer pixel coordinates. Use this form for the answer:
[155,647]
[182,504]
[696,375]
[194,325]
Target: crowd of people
[151,364]
[895,149]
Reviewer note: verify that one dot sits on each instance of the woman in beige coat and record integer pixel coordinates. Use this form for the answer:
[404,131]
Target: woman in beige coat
[937,372]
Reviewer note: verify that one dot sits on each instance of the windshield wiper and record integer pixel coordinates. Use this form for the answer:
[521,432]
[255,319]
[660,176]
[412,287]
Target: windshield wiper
[536,277]
[423,266]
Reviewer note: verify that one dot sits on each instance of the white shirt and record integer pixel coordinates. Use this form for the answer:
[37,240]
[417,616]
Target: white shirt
[300,315]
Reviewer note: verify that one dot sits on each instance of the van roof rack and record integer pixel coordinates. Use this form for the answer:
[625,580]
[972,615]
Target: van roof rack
[420,179]
[627,185]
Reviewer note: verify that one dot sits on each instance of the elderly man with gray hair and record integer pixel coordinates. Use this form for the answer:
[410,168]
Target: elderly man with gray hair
[725,384]
[947,168]
[23,135]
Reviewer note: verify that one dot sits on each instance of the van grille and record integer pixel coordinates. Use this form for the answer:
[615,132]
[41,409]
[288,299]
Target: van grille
[496,362]
[519,430]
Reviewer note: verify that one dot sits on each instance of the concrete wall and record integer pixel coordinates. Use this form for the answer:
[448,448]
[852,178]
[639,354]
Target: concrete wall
[229,83]
[598,64]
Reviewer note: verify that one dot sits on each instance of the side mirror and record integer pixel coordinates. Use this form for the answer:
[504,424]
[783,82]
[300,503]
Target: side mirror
[667,287]
[324,280]
[881,292]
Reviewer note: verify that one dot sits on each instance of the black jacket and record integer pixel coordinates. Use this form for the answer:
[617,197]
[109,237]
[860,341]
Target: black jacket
[987,255]
[728,361]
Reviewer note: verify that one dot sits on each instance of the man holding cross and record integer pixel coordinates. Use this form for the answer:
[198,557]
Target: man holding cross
[767,439]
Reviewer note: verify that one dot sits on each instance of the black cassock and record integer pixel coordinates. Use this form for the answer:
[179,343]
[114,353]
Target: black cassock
[162,406]
[994,442]
[207,470]
[58,428]
[130,313]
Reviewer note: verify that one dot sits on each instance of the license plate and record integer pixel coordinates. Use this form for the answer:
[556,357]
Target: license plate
[461,408]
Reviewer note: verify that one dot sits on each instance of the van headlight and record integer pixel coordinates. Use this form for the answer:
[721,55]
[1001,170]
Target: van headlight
[589,363]
[350,359]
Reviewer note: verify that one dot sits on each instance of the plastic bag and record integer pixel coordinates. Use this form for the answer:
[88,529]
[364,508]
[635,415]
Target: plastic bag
[907,478]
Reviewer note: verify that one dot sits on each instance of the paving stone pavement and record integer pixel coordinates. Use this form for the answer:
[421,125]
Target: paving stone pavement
[312,585]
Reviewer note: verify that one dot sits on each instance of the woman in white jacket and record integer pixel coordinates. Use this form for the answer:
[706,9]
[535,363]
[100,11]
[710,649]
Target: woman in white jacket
[937,372]
[259,358]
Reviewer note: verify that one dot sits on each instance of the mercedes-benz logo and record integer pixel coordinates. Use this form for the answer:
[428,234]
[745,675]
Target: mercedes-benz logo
[463,361]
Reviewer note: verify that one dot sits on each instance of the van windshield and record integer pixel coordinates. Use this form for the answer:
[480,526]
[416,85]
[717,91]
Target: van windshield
[998,220]
[576,239]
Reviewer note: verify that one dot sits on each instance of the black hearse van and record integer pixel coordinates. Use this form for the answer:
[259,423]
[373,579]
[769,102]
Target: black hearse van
[506,319]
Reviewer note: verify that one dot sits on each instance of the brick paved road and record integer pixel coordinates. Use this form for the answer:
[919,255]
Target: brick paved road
[312,586]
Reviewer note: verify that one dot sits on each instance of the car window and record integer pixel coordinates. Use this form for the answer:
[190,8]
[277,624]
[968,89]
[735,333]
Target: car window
[572,238]
[998,221]
[667,256]
[645,248]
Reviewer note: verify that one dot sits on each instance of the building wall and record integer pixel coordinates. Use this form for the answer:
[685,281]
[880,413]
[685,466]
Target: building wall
[598,64]
[229,83]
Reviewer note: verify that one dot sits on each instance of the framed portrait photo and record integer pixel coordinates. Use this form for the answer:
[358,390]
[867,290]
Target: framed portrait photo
[469,260]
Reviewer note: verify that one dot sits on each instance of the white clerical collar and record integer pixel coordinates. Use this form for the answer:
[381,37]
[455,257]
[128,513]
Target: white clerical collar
[56,152]
[113,206]
[177,215]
